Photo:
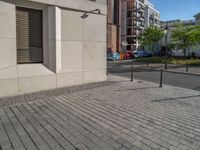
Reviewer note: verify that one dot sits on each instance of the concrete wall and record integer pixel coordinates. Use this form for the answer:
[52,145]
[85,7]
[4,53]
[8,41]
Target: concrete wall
[74,48]
[84,51]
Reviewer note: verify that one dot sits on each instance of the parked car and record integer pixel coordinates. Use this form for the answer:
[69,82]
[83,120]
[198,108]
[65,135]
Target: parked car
[116,56]
[129,55]
[137,54]
[113,56]
[147,54]
[162,53]
[142,53]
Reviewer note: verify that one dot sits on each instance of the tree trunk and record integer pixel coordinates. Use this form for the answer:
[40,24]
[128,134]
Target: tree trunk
[188,53]
[184,51]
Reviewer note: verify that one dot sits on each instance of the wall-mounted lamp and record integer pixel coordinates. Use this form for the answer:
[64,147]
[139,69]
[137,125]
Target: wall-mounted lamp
[86,14]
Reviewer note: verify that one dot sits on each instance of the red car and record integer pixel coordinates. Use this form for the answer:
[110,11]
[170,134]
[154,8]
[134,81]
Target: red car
[129,55]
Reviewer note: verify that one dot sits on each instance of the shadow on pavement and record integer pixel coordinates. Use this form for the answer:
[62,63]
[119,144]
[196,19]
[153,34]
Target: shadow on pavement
[143,88]
[136,69]
[176,98]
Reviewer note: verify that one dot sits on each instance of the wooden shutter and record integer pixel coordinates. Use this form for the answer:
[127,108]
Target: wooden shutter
[29,35]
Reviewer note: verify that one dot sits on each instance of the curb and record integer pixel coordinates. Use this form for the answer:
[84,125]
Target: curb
[14,100]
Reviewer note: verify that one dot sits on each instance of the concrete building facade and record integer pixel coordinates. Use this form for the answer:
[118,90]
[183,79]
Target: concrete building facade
[48,44]
[152,16]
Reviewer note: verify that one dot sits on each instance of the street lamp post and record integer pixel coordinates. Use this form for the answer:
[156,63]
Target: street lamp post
[86,14]
[166,38]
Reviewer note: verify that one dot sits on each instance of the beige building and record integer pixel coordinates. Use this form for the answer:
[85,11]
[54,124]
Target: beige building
[152,16]
[111,27]
[112,38]
[48,44]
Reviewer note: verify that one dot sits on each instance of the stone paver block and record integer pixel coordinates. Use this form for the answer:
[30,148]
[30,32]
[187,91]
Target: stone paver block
[116,115]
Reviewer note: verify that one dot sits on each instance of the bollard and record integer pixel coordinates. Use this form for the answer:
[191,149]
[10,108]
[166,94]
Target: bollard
[166,63]
[187,66]
[132,71]
[161,78]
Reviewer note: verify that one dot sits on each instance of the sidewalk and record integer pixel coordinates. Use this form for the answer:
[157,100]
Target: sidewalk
[116,115]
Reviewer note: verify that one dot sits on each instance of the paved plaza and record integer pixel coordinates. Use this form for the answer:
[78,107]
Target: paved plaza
[115,115]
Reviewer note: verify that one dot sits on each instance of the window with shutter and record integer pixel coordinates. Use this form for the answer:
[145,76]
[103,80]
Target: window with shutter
[29,35]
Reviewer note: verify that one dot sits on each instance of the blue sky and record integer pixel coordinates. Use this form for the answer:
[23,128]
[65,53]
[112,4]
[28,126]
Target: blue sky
[177,9]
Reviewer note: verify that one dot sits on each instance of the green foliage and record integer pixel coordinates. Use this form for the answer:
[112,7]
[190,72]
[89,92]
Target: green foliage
[150,37]
[170,46]
[191,61]
[186,37]
[151,59]
[195,34]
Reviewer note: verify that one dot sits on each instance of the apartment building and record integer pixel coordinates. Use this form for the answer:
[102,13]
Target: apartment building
[113,25]
[48,44]
[197,18]
[132,23]
[173,23]
[126,20]
[152,16]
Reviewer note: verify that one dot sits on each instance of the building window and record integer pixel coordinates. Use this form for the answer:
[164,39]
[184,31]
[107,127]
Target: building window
[130,4]
[29,35]
[131,40]
[129,31]
[129,14]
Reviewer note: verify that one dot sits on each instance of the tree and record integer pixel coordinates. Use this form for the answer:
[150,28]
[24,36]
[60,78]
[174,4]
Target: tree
[151,37]
[186,37]
[194,35]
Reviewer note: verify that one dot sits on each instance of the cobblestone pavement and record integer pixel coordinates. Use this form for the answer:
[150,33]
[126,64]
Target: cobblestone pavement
[123,115]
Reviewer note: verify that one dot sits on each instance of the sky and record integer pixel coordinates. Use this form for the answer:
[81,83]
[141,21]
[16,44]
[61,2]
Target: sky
[177,9]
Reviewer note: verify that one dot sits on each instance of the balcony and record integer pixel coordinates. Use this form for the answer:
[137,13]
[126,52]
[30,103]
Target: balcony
[131,36]
[131,24]
[131,32]
[140,18]
[133,17]
[142,24]
[140,27]
[142,1]
[131,40]
[140,10]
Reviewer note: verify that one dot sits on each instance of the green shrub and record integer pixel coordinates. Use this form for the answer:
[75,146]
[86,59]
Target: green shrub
[191,61]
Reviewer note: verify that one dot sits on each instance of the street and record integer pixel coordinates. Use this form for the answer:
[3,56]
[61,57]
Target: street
[152,75]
